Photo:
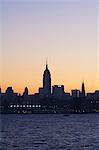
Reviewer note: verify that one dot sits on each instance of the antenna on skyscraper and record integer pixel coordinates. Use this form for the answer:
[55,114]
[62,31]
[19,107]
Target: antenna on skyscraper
[46,63]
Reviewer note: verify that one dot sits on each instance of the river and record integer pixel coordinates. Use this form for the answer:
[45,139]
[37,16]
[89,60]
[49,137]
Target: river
[49,132]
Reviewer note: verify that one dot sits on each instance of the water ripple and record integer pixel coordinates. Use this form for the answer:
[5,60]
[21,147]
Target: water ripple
[49,132]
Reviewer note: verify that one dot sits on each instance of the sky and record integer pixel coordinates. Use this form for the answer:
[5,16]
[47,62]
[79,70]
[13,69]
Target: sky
[63,31]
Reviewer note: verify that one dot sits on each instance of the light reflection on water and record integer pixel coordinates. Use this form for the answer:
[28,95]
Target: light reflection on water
[49,132]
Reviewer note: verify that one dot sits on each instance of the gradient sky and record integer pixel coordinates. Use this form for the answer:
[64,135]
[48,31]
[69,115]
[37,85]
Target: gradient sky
[64,31]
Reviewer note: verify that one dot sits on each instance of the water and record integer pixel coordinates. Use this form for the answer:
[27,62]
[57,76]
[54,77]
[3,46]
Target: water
[49,132]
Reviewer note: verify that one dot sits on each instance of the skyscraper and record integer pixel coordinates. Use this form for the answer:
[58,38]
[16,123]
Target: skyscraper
[83,90]
[25,91]
[47,81]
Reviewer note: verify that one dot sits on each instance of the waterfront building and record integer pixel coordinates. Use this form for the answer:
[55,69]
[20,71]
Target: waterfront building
[58,90]
[75,93]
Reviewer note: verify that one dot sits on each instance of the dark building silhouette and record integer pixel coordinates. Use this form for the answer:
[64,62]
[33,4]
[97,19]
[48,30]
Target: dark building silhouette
[25,91]
[75,93]
[96,94]
[83,93]
[47,81]
[9,90]
[46,101]
[46,90]
[0,89]
[58,90]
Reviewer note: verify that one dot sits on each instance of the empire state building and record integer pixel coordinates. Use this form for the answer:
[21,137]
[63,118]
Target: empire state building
[47,81]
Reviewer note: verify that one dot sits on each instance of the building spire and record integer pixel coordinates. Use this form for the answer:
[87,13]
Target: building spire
[83,81]
[46,64]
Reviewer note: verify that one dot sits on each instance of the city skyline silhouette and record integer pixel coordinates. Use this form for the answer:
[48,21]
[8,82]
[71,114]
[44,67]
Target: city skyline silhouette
[47,84]
[49,99]
[63,31]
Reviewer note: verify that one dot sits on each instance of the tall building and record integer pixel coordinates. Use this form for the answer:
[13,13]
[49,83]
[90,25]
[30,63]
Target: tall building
[25,91]
[0,90]
[83,93]
[47,81]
